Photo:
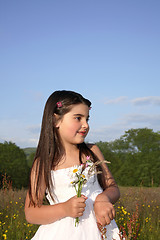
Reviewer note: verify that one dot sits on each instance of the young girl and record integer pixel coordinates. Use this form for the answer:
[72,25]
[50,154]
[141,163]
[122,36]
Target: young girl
[61,147]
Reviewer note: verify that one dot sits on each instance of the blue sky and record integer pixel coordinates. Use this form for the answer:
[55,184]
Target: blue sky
[108,50]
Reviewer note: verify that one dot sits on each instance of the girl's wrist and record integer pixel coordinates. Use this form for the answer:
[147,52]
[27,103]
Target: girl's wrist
[64,209]
[102,198]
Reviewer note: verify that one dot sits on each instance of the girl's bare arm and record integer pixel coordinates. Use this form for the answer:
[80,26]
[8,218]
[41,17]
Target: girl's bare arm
[45,214]
[103,205]
[111,189]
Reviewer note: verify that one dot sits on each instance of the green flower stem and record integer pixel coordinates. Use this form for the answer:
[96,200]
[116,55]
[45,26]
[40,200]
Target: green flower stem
[78,195]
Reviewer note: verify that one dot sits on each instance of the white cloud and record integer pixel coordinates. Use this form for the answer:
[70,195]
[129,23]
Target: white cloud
[21,142]
[106,133]
[34,129]
[155,100]
[114,131]
[118,100]
[34,95]
[16,132]
[153,120]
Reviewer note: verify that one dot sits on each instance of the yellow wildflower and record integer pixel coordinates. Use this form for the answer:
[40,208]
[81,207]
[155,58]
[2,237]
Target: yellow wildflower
[4,236]
[82,175]
[146,219]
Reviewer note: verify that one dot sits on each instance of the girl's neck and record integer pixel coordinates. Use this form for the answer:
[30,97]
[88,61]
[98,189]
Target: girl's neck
[70,158]
[71,149]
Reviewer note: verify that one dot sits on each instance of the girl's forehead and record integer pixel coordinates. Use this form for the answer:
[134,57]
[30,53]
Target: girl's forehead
[78,108]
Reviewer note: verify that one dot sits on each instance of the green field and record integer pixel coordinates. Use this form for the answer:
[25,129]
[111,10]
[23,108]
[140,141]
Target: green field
[137,214]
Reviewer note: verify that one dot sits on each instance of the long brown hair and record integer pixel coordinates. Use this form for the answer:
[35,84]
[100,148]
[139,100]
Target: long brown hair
[50,149]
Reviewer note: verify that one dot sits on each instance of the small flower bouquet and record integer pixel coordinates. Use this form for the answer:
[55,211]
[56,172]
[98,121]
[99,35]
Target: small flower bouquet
[80,176]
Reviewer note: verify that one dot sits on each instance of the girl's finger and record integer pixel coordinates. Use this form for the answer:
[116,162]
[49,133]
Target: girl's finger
[110,215]
[84,197]
[113,212]
[108,220]
[100,220]
[81,205]
[81,210]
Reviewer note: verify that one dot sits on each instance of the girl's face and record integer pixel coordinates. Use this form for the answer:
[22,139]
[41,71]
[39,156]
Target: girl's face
[73,127]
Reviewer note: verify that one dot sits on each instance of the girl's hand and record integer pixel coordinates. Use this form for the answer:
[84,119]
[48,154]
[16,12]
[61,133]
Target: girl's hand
[75,206]
[104,210]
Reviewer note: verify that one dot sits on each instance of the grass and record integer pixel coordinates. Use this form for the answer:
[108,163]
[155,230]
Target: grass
[137,214]
[13,225]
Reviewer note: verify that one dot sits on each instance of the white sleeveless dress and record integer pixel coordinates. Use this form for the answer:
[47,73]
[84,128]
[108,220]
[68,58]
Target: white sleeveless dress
[65,228]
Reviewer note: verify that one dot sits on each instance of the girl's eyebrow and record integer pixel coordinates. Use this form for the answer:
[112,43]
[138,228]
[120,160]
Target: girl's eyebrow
[79,115]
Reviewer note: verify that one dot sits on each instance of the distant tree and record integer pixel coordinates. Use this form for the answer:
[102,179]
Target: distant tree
[110,156]
[142,140]
[13,163]
[135,157]
[145,145]
[30,159]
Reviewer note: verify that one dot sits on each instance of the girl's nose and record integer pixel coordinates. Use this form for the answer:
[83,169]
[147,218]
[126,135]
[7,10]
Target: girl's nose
[85,124]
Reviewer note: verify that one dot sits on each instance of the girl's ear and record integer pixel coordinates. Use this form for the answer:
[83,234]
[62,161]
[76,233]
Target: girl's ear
[56,120]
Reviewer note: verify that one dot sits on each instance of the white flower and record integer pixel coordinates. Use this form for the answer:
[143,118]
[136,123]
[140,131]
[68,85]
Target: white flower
[79,176]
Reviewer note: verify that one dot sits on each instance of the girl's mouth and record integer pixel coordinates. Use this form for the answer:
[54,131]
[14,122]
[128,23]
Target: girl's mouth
[83,133]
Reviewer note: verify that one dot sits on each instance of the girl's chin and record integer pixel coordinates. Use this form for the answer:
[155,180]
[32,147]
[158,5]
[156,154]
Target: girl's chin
[82,140]
[79,140]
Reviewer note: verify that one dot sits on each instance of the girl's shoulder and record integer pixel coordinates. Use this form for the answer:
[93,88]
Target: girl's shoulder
[91,146]
[95,149]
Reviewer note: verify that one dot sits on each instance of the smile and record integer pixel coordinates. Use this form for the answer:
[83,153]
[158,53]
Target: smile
[83,133]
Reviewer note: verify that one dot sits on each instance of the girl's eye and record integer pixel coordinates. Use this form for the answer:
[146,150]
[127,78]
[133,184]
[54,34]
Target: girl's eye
[78,118]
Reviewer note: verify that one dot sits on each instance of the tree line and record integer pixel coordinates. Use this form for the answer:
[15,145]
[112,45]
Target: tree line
[13,165]
[134,159]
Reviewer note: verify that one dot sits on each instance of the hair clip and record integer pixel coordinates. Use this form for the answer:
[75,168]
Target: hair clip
[59,104]
[90,108]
